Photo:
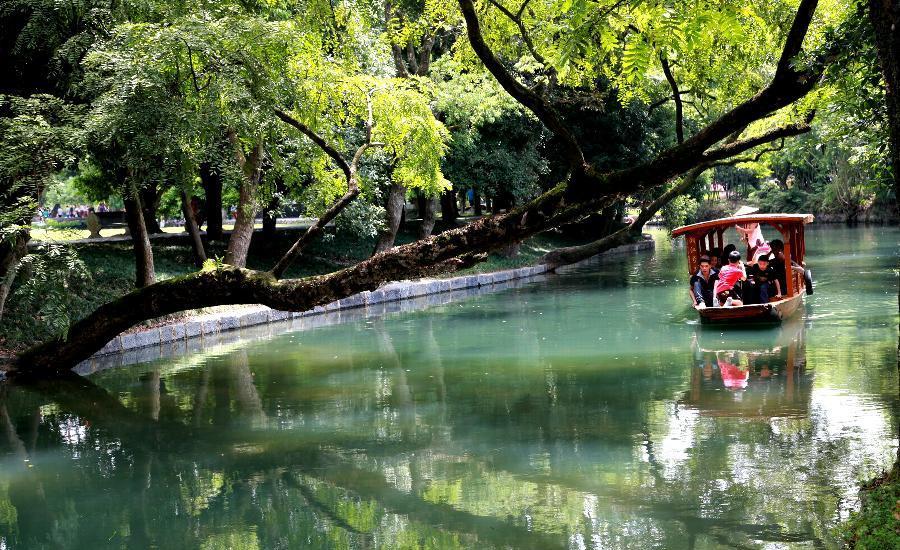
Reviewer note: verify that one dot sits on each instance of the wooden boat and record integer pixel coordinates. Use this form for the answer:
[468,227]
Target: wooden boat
[702,237]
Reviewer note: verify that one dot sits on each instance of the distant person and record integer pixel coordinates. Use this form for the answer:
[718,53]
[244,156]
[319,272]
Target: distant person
[703,282]
[725,290]
[93,224]
[762,281]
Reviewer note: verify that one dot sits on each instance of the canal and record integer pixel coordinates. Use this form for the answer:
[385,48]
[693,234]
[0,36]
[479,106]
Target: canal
[583,410]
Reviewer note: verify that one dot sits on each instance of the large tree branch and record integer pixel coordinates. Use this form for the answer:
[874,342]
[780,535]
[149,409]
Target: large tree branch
[351,173]
[317,139]
[572,254]
[676,95]
[531,100]
[737,147]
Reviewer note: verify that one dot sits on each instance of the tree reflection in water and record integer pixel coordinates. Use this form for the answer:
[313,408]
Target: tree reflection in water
[391,444]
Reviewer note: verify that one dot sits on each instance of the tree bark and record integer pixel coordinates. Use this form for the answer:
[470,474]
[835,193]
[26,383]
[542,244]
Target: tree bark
[885,18]
[145,273]
[476,203]
[239,243]
[427,210]
[212,186]
[676,96]
[150,198]
[190,225]
[393,210]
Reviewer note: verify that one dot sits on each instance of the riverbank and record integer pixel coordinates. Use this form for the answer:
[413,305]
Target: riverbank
[104,271]
[877,524]
[210,324]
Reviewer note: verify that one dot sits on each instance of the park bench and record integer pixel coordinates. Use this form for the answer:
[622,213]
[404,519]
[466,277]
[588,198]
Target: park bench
[112,219]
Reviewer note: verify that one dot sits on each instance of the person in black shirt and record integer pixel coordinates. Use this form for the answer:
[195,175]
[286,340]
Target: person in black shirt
[762,282]
[702,283]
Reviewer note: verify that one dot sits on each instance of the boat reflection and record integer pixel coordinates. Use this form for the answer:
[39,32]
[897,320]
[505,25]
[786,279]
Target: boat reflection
[747,374]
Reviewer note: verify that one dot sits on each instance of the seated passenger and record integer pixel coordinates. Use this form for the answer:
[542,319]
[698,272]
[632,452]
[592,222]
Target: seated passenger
[762,282]
[729,276]
[715,256]
[729,248]
[702,283]
[776,260]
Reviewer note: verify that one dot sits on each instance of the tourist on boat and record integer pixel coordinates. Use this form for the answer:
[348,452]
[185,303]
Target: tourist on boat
[777,262]
[729,248]
[725,290]
[702,283]
[715,255]
[762,282]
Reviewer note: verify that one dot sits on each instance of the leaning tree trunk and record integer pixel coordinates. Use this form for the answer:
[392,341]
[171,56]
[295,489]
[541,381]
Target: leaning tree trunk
[211,181]
[427,211]
[885,17]
[145,273]
[190,225]
[393,206]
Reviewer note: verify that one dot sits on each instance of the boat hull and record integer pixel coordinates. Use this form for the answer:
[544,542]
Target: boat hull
[773,312]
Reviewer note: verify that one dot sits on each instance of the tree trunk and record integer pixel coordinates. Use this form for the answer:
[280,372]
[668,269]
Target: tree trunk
[11,255]
[427,210]
[885,17]
[393,207]
[190,225]
[149,198]
[476,203]
[145,274]
[449,210]
[212,187]
[239,243]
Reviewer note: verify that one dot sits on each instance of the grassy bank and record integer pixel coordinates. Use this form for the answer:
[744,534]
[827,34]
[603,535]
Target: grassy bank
[877,525]
[30,319]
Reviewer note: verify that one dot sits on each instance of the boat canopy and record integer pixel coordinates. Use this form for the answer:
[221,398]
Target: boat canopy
[770,219]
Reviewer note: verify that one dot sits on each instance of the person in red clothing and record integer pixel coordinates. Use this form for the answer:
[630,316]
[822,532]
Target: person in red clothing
[725,291]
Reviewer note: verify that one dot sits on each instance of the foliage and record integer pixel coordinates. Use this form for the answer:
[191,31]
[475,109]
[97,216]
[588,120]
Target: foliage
[38,137]
[770,197]
[678,211]
[53,277]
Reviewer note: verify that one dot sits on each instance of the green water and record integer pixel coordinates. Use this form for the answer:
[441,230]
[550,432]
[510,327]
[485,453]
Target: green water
[585,410]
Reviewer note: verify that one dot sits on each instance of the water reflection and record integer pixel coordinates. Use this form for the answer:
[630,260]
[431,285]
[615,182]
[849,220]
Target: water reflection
[756,380]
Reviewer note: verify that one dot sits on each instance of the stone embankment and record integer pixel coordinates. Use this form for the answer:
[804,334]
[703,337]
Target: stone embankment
[195,332]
